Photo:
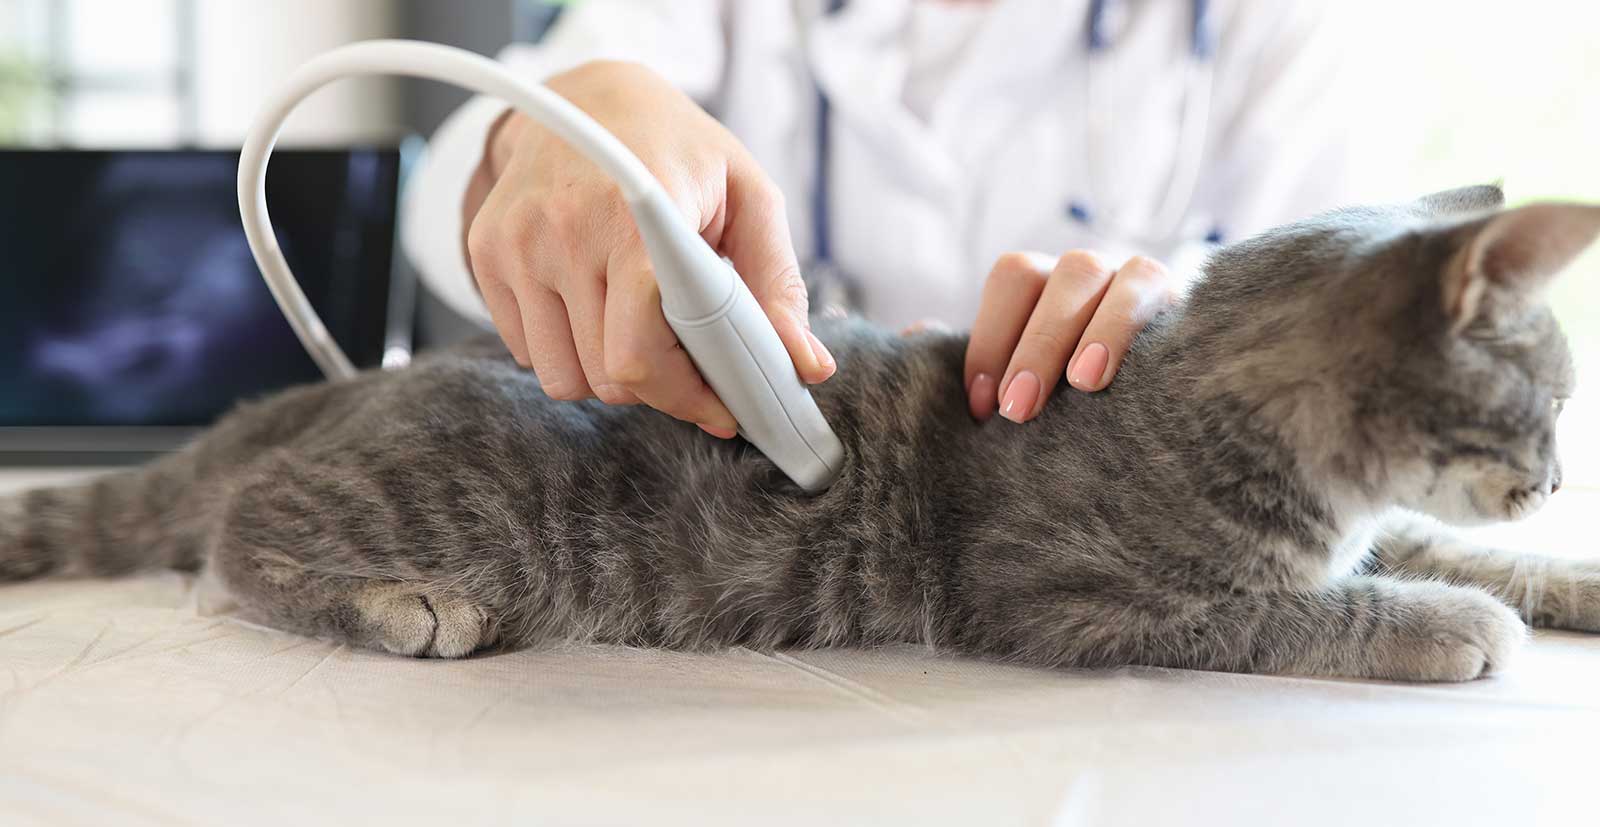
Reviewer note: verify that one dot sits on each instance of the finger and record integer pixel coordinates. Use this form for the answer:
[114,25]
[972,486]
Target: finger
[553,354]
[585,298]
[756,239]
[486,255]
[507,318]
[1070,297]
[1009,296]
[1139,290]
[643,355]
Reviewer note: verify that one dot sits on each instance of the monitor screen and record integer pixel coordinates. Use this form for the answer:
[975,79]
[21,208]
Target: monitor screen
[128,296]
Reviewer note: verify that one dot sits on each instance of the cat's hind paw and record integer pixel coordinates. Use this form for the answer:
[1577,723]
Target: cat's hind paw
[406,621]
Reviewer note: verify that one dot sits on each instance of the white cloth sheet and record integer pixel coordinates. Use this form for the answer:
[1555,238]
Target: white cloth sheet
[127,703]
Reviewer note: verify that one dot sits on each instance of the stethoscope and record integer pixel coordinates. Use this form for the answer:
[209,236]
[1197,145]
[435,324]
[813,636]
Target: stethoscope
[1165,224]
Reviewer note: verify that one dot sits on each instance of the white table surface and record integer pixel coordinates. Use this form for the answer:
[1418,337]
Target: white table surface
[128,702]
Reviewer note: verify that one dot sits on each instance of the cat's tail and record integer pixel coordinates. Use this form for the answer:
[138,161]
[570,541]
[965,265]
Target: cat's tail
[119,523]
[159,516]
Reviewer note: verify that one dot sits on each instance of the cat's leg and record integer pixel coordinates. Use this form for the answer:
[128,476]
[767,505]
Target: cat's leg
[1562,594]
[394,616]
[293,569]
[1360,627]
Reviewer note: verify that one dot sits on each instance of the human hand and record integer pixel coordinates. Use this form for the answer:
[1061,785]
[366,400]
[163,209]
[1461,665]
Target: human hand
[561,266]
[1041,319]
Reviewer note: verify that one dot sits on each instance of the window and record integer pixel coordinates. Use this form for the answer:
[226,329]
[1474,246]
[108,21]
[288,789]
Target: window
[97,71]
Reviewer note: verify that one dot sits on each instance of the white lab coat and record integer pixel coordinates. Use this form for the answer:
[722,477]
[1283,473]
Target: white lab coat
[921,206]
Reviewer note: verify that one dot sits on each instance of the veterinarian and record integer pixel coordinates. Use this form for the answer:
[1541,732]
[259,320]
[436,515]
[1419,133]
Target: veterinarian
[912,146]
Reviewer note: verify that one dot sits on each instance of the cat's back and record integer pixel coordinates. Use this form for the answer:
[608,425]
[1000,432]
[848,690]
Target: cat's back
[470,412]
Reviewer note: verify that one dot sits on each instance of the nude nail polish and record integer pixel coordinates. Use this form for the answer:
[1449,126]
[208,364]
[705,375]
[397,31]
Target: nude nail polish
[1089,371]
[981,396]
[1022,395]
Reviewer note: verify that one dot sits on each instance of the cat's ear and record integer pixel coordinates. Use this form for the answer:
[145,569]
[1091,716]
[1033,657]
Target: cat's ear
[1462,200]
[1511,256]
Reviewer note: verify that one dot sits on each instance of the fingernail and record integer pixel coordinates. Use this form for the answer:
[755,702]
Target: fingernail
[1021,395]
[719,433]
[981,396]
[1087,373]
[821,354]
[925,326]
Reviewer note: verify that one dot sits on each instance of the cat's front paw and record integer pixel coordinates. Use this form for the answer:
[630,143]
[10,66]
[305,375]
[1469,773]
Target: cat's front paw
[1446,633]
[1560,594]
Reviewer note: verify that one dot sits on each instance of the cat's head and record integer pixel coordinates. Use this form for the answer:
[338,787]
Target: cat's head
[1410,348]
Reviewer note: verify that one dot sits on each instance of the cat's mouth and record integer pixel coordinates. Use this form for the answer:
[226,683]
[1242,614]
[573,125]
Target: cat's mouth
[1487,495]
[1522,502]
[1480,493]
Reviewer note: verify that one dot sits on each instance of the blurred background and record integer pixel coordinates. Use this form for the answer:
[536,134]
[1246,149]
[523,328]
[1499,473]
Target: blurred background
[191,72]
[1460,92]
[162,74]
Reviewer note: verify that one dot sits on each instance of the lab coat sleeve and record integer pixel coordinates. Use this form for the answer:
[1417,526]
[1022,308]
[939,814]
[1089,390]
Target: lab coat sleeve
[681,39]
[1287,139]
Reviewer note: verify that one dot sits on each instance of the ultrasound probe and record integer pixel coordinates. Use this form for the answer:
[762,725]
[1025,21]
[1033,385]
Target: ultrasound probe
[719,323]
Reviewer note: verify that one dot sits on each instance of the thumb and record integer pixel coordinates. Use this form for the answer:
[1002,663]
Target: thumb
[756,239]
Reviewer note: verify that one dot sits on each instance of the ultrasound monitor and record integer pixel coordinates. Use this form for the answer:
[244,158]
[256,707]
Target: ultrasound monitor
[131,311]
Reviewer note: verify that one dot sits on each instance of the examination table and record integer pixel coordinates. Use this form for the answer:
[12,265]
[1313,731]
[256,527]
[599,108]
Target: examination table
[140,702]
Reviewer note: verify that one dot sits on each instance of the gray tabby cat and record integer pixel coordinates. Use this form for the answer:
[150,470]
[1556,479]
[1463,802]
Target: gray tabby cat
[1221,506]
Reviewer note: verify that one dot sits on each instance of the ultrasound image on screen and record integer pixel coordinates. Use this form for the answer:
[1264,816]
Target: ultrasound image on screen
[129,297]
